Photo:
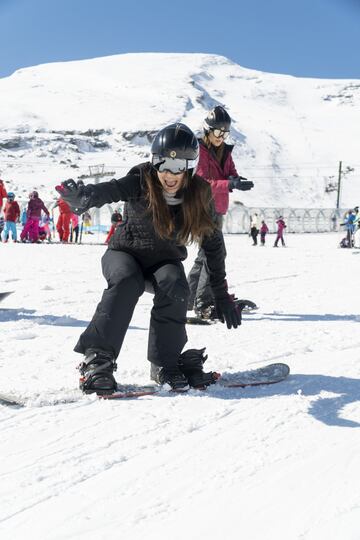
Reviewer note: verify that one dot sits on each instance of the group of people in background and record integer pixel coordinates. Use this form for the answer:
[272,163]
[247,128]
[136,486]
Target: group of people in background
[263,229]
[35,219]
[38,223]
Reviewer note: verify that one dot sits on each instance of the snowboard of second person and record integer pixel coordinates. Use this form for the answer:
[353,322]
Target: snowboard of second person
[246,306]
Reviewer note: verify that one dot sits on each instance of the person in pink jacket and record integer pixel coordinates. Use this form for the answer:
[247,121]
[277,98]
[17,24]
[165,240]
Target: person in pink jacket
[31,229]
[215,165]
[280,232]
[264,229]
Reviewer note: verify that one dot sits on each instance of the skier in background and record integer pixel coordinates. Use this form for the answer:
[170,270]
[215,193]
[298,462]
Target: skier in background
[63,222]
[264,229]
[350,227]
[12,216]
[44,228]
[74,235]
[167,205]
[3,194]
[23,216]
[30,231]
[86,222]
[280,231]
[254,228]
[357,228]
[217,167]
[116,220]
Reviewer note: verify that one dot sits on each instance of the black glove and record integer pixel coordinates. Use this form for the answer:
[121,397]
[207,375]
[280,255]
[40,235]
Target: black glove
[239,182]
[227,310]
[77,195]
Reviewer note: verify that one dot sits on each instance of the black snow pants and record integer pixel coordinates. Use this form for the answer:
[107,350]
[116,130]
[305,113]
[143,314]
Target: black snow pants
[126,283]
[199,277]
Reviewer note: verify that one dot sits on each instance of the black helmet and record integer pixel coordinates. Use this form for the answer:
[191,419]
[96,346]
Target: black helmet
[175,148]
[217,118]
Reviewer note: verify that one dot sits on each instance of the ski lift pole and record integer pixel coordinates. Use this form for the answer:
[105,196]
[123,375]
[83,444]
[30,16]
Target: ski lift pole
[97,172]
[81,228]
[339,186]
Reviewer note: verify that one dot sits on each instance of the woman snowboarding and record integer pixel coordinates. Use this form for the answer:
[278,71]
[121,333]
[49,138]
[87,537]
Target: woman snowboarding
[166,207]
[216,165]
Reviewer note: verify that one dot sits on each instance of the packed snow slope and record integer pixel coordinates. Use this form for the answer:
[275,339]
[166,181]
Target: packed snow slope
[279,462]
[289,133]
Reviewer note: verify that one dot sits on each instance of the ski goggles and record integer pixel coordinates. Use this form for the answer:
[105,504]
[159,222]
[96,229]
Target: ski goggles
[220,133]
[173,165]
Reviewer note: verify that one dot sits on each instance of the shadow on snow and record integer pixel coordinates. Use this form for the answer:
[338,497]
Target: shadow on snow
[326,409]
[301,317]
[13,315]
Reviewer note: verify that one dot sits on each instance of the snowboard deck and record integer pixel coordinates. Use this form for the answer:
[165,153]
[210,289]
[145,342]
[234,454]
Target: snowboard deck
[270,374]
[246,306]
[3,295]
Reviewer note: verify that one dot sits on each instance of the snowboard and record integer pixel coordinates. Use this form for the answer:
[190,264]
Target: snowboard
[270,374]
[4,295]
[246,306]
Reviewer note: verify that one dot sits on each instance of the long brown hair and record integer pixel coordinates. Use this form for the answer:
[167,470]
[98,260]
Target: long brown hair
[219,150]
[196,209]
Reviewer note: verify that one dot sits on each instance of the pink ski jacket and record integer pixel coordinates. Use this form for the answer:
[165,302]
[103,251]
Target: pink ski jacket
[217,176]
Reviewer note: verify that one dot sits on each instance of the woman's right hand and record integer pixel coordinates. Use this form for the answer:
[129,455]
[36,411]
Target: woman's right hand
[76,194]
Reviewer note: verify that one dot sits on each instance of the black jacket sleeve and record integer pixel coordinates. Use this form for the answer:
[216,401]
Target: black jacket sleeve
[123,189]
[213,247]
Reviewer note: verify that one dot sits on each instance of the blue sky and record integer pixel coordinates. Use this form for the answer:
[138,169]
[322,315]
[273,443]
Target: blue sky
[307,38]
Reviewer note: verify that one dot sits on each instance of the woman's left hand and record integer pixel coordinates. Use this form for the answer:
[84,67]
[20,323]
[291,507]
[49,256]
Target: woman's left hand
[227,310]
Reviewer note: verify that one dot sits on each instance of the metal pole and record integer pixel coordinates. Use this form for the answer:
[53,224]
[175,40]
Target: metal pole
[339,185]
[97,211]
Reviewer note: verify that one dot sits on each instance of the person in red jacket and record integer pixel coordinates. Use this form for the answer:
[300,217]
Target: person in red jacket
[116,220]
[3,194]
[12,215]
[63,222]
[215,165]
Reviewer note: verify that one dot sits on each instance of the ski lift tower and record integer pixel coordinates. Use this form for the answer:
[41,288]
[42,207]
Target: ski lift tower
[97,172]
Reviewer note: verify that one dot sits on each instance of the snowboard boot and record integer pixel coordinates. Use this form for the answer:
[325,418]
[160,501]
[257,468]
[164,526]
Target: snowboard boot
[191,363]
[154,372]
[97,373]
[174,377]
[205,311]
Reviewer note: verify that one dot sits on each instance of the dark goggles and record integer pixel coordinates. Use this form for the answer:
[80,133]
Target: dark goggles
[220,133]
[172,165]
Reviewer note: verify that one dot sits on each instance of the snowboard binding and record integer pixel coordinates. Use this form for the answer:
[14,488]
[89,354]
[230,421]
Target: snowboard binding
[191,363]
[97,373]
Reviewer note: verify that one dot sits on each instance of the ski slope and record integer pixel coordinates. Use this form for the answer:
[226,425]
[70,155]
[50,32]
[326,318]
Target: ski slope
[279,462]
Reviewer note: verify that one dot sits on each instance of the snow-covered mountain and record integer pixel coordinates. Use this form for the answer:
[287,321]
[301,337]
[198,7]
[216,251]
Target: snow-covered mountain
[289,133]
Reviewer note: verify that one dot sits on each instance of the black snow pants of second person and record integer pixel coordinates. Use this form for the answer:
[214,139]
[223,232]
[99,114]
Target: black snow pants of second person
[201,295]
[126,283]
